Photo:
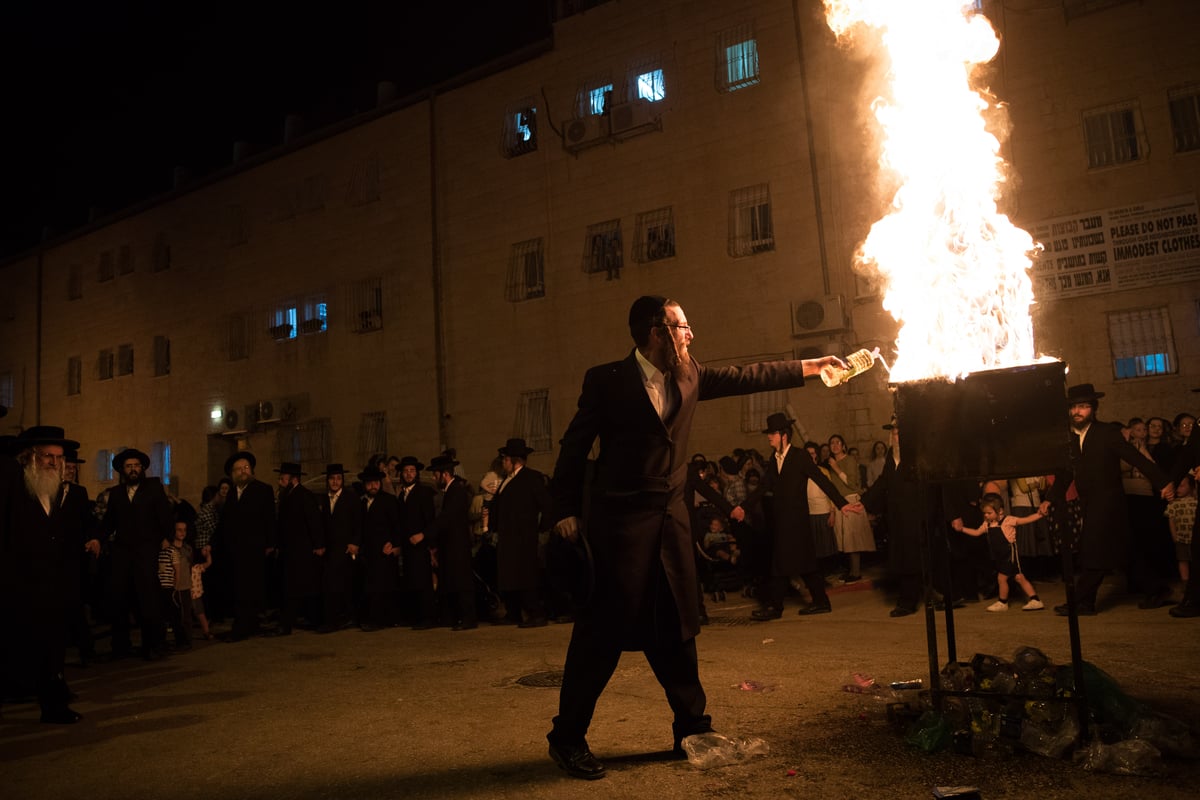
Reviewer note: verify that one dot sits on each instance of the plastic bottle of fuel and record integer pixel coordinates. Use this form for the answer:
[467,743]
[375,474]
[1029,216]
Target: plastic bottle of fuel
[857,363]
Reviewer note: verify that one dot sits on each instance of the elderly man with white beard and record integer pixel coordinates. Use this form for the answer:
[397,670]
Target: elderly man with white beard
[39,554]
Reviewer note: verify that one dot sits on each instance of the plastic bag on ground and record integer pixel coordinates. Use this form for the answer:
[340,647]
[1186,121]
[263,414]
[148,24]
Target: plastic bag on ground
[709,750]
[1129,757]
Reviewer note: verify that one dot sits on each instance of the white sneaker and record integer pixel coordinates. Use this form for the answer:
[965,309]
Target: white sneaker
[1033,605]
[999,605]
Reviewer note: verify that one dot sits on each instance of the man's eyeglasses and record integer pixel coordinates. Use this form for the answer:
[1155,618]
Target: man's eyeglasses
[687,328]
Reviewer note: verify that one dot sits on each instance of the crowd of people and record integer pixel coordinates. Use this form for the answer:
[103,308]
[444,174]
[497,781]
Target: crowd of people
[385,548]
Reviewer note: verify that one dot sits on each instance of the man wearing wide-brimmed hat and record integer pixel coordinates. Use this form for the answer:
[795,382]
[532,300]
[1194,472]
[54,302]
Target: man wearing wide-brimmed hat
[139,523]
[341,514]
[1097,450]
[248,525]
[380,552]
[452,533]
[520,512]
[40,545]
[301,541]
[417,512]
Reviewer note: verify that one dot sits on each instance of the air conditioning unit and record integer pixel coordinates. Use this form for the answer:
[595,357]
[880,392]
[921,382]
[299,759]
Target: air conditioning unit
[261,412]
[819,315]
[582,132]
[630,119]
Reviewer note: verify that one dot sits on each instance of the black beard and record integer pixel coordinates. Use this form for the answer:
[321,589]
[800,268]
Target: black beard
[133,480]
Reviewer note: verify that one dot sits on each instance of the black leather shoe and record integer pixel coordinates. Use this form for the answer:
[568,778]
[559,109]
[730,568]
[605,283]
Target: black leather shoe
[61,716]
[767,613]
[1185,609]
[1081,611]
[825,608]
[1156,599]
[901,611]
[704,619]
[577,761]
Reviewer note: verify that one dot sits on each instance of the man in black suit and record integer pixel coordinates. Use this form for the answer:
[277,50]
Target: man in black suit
[301,539]
[380,550]
[452,533]
[341,514]
[417,513]
[248,527]
[644,594]
[75,502]
[139,521]
[1097,450]
[521,504]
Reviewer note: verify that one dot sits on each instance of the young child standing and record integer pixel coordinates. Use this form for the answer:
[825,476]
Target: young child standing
[1001,532]
[175,578]
[1181,513]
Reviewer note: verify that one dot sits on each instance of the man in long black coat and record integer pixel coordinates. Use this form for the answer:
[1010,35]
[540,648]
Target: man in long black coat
[341,514]
[452,528]
[644,596]
[248,526]
[519,513]
[417,536]
[785,506]
[380,551]
[1097,450]
[139,520]
[301,540]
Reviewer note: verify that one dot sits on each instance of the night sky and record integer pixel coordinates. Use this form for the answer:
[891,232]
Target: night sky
[101,100]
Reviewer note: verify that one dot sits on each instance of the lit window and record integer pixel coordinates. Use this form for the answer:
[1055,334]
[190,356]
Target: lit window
[526,271]
[1184,103]
[598,99]
[650,86]
[315,315]
[104,470]
[602,249]
[737,59]
[593,96]
[750,227]
[1113,135]
[533,419]
[283,323]
[519,135]
[160,461]
[1142,344]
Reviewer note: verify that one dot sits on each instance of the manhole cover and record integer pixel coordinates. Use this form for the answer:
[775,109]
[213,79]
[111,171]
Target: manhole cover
[552,679]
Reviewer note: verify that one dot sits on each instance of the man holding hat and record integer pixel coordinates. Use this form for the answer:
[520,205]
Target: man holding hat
[341,515]
[644,597]
[1097,450]
[301,538]
[452,532]
[139,523]
[248,525]
[520,506]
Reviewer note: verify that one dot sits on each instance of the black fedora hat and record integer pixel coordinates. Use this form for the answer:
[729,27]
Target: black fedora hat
[334,469]
[240,455]
[290,468]
[45,434]
[778,422]
[71,456]
[442,463]
[118,461]
[515,447]
[1082,393]
[411,461]
[370,474]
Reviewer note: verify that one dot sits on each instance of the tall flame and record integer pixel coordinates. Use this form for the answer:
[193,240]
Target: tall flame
[955,271]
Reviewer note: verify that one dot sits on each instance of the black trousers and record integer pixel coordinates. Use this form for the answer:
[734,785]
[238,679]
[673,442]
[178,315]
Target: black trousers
[592,658]
[135,578]
[777,588]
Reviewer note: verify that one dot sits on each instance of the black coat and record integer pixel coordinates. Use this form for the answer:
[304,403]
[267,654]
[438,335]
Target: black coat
[343,527]
[78,507]
[898,499]
[142,525]
[417,513]
[381,525]
[300,533]
[248,528]
[638,526]
[785,507]
[518,515]
[1096,470]
[453,534]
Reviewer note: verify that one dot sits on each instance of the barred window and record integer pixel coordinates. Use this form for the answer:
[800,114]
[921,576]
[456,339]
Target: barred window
[105,365]
[365,305]
[125,260]
[104,470]
[74,375]
[594,96]
[519,134]
[602,250]
[314,312]
[282,322]
[737,58]
[526,271]
[1184,103]
[239,336]
[1114,135]
[646,82]
[654,237]
[533,419]
[372,435]
[750,228]
[363,187]
[303,442]
[162,356]
[106,270]
[161,256]
[125,359]
[160,464]
[1141,343]
[74,282]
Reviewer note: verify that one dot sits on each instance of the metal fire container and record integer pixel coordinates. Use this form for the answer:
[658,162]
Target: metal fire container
[1003,423]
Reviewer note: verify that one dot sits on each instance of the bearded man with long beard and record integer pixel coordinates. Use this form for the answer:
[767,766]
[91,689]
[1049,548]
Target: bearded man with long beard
[644,593]
[39,551]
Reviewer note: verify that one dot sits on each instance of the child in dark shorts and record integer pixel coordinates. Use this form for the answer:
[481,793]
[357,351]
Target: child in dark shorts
[1001,532]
